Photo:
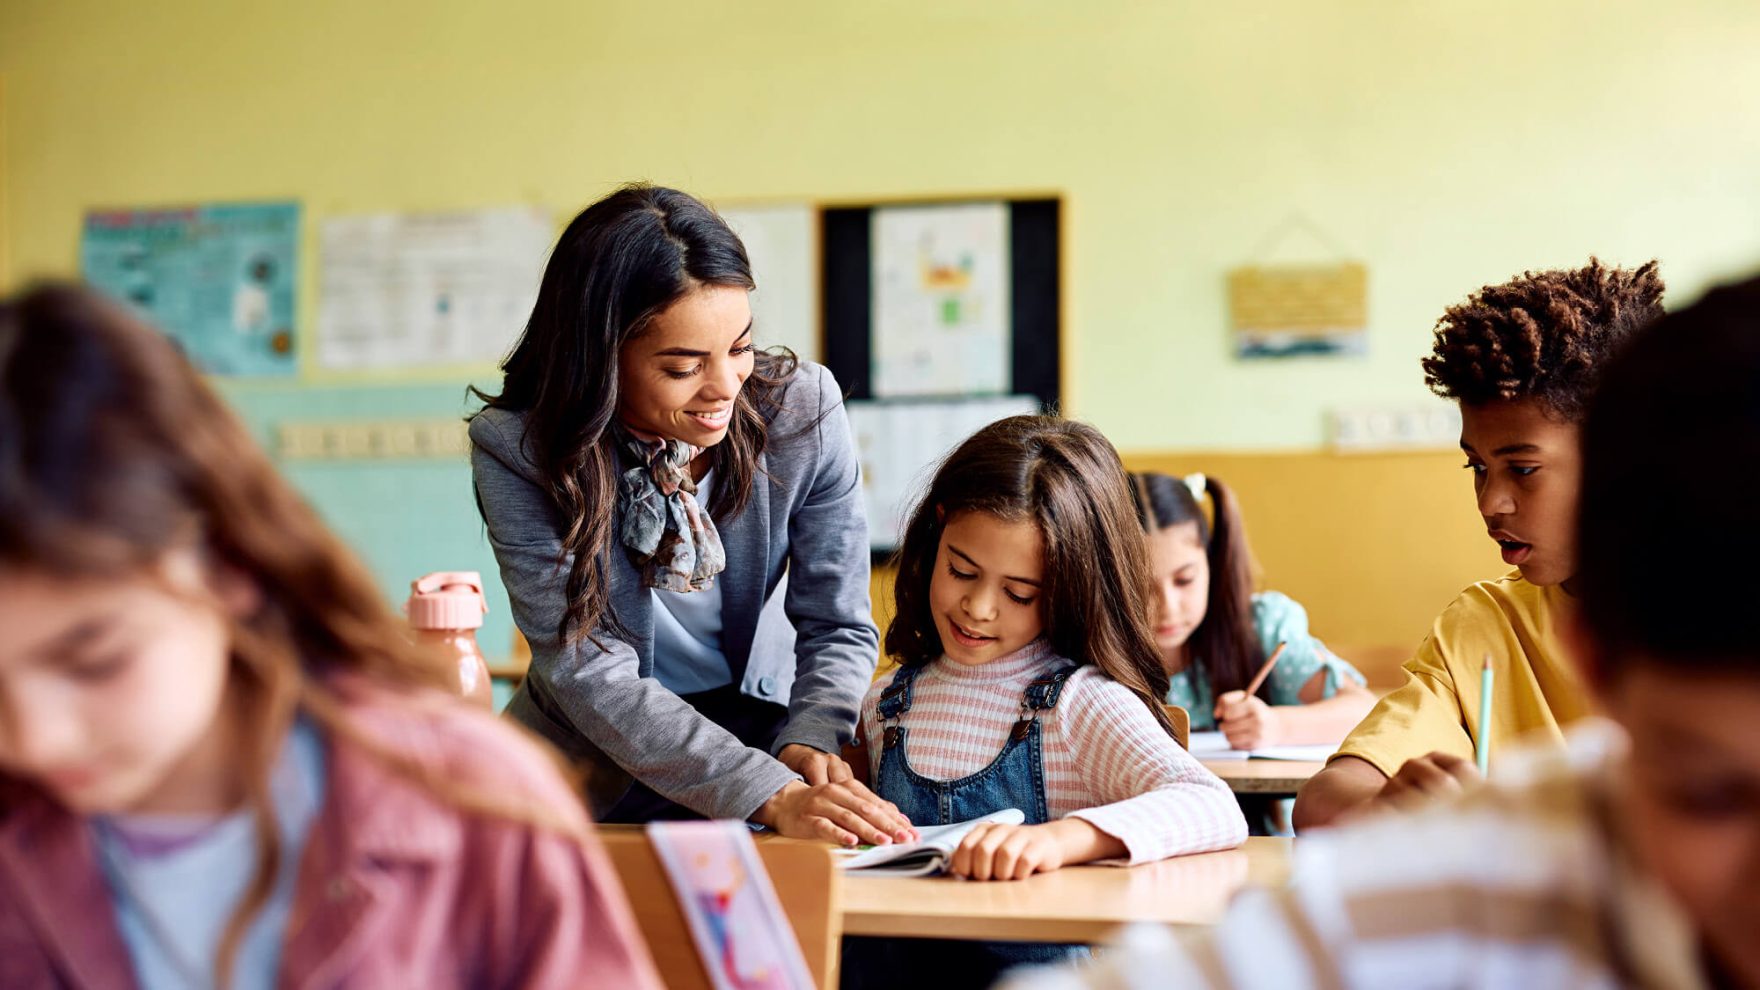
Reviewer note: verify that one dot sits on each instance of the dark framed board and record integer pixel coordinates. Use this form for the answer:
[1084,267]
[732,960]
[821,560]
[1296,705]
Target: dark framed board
[1011,303]
[1034,285]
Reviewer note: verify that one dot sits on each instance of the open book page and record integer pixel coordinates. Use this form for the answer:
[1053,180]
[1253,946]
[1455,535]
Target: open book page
[927,855]
[1214,746]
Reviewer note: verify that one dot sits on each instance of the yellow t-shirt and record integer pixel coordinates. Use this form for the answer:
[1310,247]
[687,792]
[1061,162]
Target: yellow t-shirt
[1536,687]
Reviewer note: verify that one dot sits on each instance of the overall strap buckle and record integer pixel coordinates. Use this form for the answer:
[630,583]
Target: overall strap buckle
[1040,696]
[895,700]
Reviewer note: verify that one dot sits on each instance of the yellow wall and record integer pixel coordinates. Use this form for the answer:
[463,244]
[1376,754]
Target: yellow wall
[1448,144]
[1445,144]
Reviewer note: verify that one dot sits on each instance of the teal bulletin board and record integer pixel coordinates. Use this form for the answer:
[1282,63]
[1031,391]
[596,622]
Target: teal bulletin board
[219,279]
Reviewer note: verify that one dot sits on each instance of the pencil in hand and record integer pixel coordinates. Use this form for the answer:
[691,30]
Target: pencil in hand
[1233,698]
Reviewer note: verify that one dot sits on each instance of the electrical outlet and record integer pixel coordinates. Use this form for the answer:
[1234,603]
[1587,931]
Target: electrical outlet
[1365,429]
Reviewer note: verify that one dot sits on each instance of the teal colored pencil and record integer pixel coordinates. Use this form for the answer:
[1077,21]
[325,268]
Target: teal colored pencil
[1482,749]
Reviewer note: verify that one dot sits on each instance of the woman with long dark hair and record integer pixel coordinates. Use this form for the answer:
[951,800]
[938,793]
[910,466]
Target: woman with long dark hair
[679,521]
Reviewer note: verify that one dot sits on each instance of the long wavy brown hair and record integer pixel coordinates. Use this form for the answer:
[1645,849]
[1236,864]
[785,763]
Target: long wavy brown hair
[114,454]
[1066,479]
[619,264]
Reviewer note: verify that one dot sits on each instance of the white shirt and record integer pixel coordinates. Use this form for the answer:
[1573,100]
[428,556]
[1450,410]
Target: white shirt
[687,631]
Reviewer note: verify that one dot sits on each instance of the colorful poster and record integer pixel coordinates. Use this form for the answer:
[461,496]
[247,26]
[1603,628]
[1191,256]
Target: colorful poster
[941,300]
[219,279]
[403,290]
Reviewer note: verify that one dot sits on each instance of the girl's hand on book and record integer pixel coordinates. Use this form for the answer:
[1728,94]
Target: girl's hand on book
[844,812]
[1016,852]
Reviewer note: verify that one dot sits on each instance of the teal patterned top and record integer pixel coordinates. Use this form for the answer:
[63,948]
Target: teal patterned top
[1278,619]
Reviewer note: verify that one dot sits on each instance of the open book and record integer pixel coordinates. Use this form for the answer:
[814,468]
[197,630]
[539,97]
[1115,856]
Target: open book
[928,854]
[1214,746]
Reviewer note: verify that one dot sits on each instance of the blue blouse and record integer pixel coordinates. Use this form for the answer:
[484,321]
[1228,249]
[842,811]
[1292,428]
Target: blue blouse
[1277,618]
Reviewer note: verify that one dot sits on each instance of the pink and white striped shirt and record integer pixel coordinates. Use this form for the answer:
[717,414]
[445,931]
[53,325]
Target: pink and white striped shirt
[1106,759]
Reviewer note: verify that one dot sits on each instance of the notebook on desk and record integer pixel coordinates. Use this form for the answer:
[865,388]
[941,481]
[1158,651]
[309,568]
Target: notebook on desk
[1214,746]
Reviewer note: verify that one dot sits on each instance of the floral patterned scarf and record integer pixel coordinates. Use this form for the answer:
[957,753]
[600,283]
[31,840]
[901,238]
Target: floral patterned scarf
[668,535]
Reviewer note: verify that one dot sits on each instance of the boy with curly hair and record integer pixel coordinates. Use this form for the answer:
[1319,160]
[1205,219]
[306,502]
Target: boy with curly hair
[1523,360]
[1625,859]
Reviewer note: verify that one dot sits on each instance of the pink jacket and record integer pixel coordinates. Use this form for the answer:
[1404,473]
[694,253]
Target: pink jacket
[396,887]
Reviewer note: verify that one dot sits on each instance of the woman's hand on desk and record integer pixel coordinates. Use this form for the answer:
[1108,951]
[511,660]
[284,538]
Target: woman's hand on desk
[844,812]
[815,767]
[1016,852]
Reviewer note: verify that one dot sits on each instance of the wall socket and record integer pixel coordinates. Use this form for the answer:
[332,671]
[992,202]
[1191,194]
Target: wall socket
[442,439]
[1367,429]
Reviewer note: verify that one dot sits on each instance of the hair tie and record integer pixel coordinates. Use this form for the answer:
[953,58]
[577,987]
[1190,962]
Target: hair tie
[1197,484]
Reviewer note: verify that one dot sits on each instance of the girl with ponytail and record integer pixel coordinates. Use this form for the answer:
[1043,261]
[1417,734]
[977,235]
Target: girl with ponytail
[1215,633]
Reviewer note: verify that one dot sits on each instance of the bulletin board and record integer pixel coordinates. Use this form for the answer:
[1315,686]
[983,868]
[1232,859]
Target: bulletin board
[938,317]
[1033,282]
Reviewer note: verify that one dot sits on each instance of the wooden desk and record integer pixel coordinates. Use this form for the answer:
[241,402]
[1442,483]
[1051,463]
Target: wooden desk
[1284,777]
[1075,904]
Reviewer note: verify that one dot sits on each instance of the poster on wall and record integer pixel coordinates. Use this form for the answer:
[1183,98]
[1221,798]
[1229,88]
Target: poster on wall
[219,279]
[781,239]
[900,443]
[407,290]
[941,300]
[1283,311]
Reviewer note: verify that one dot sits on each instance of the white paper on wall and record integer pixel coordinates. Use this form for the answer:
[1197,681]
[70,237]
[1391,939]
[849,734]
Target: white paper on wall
[782,242]
[902,442]
[400,290]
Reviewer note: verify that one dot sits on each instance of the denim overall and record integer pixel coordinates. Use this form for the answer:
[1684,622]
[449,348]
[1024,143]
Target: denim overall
[1014,779]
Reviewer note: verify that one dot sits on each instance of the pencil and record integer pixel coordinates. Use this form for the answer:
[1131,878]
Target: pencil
[1264,671]
[1482,744]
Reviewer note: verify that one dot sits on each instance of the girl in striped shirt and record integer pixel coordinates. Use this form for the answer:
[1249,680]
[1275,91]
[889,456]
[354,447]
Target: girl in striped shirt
[1029,679]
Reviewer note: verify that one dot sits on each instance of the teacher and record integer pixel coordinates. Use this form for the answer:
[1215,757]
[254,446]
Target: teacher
[678,519]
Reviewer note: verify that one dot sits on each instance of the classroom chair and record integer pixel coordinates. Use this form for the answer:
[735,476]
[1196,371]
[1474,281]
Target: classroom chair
[519,659]
[807,883]
[1182,725]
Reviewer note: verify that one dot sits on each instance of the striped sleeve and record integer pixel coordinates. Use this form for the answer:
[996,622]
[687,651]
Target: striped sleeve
[1147,792]
[868,728]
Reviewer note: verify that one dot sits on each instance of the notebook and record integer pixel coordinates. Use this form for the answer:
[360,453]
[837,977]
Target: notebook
[1214,746]
[741,933]
[928,855]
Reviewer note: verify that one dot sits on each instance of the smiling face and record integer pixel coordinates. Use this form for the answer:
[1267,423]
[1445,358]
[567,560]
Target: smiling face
[1181,591]
[985,594]
[679,377]
[111,691]
[1527,470]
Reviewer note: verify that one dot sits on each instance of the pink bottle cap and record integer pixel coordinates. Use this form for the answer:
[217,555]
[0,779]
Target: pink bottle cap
[447,600]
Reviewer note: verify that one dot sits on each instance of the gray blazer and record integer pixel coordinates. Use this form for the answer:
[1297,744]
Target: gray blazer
[795,618]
